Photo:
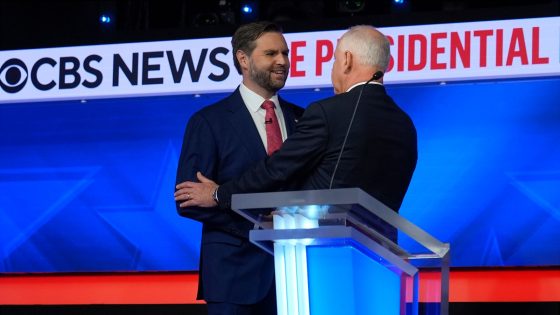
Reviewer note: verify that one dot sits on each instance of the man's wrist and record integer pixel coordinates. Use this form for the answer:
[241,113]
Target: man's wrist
[215,195]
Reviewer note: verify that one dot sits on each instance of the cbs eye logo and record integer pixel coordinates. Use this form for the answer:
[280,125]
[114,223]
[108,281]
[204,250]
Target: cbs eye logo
[13,75]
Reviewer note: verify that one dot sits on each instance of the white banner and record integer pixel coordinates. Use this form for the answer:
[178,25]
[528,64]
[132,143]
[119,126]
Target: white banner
[425,53]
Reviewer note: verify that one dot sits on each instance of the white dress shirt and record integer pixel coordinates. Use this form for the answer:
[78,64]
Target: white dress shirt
[253,101]
[360,83]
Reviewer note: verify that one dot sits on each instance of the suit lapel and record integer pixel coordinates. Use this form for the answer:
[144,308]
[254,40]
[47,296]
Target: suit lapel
[242,123]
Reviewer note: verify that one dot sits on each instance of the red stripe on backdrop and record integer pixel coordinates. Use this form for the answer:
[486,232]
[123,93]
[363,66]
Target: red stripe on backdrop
[505,285]
[106,288]
[488,285]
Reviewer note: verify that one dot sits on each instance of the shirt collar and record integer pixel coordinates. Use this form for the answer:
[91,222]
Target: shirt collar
[363,82]
[252,100]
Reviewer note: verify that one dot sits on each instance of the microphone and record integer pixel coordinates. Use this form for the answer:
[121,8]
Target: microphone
[376,76]
[269,121]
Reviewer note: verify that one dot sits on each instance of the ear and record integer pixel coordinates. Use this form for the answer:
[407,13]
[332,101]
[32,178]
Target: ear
[348,61]
[243,59]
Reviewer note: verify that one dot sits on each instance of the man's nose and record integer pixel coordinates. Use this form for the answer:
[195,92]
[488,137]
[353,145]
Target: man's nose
[282,59]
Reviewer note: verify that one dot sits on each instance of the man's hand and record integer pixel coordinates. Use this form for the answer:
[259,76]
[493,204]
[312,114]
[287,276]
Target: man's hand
[196,194]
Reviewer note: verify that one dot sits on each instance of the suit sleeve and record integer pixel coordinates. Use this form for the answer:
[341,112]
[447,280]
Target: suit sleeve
[299,153]
[199,152]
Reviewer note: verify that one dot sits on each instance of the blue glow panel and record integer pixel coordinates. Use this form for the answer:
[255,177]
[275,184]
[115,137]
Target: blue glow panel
[343,280]
[88,186]
[488,171]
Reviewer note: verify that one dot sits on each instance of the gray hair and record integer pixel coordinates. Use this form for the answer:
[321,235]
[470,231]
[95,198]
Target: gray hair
[370,49]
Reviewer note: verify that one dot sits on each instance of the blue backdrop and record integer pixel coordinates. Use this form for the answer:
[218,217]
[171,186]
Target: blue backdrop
[87,186]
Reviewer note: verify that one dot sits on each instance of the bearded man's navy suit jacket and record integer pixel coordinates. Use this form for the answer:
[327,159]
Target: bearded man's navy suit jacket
[222,141]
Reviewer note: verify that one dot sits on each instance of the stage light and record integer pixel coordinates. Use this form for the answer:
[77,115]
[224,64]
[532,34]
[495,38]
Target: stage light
[105,19]
[400,6]
[247,9]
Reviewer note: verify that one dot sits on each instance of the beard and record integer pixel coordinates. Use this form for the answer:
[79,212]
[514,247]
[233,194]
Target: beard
[265,79]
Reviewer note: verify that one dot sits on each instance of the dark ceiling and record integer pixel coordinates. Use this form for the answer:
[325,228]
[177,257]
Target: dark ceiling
[32,24]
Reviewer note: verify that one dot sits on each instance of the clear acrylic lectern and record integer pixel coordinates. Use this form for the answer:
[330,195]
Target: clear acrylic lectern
[336,252]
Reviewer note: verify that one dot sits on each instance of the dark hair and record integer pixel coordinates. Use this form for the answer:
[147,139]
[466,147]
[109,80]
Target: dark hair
[246,35]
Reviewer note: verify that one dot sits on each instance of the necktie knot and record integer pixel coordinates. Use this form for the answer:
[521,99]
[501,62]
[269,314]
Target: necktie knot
[268,104]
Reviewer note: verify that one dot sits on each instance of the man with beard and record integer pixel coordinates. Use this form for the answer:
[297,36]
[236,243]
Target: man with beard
[358,138]
[223,140]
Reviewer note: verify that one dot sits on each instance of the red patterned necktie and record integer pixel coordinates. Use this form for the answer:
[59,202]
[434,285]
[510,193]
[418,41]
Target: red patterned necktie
[273,135]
